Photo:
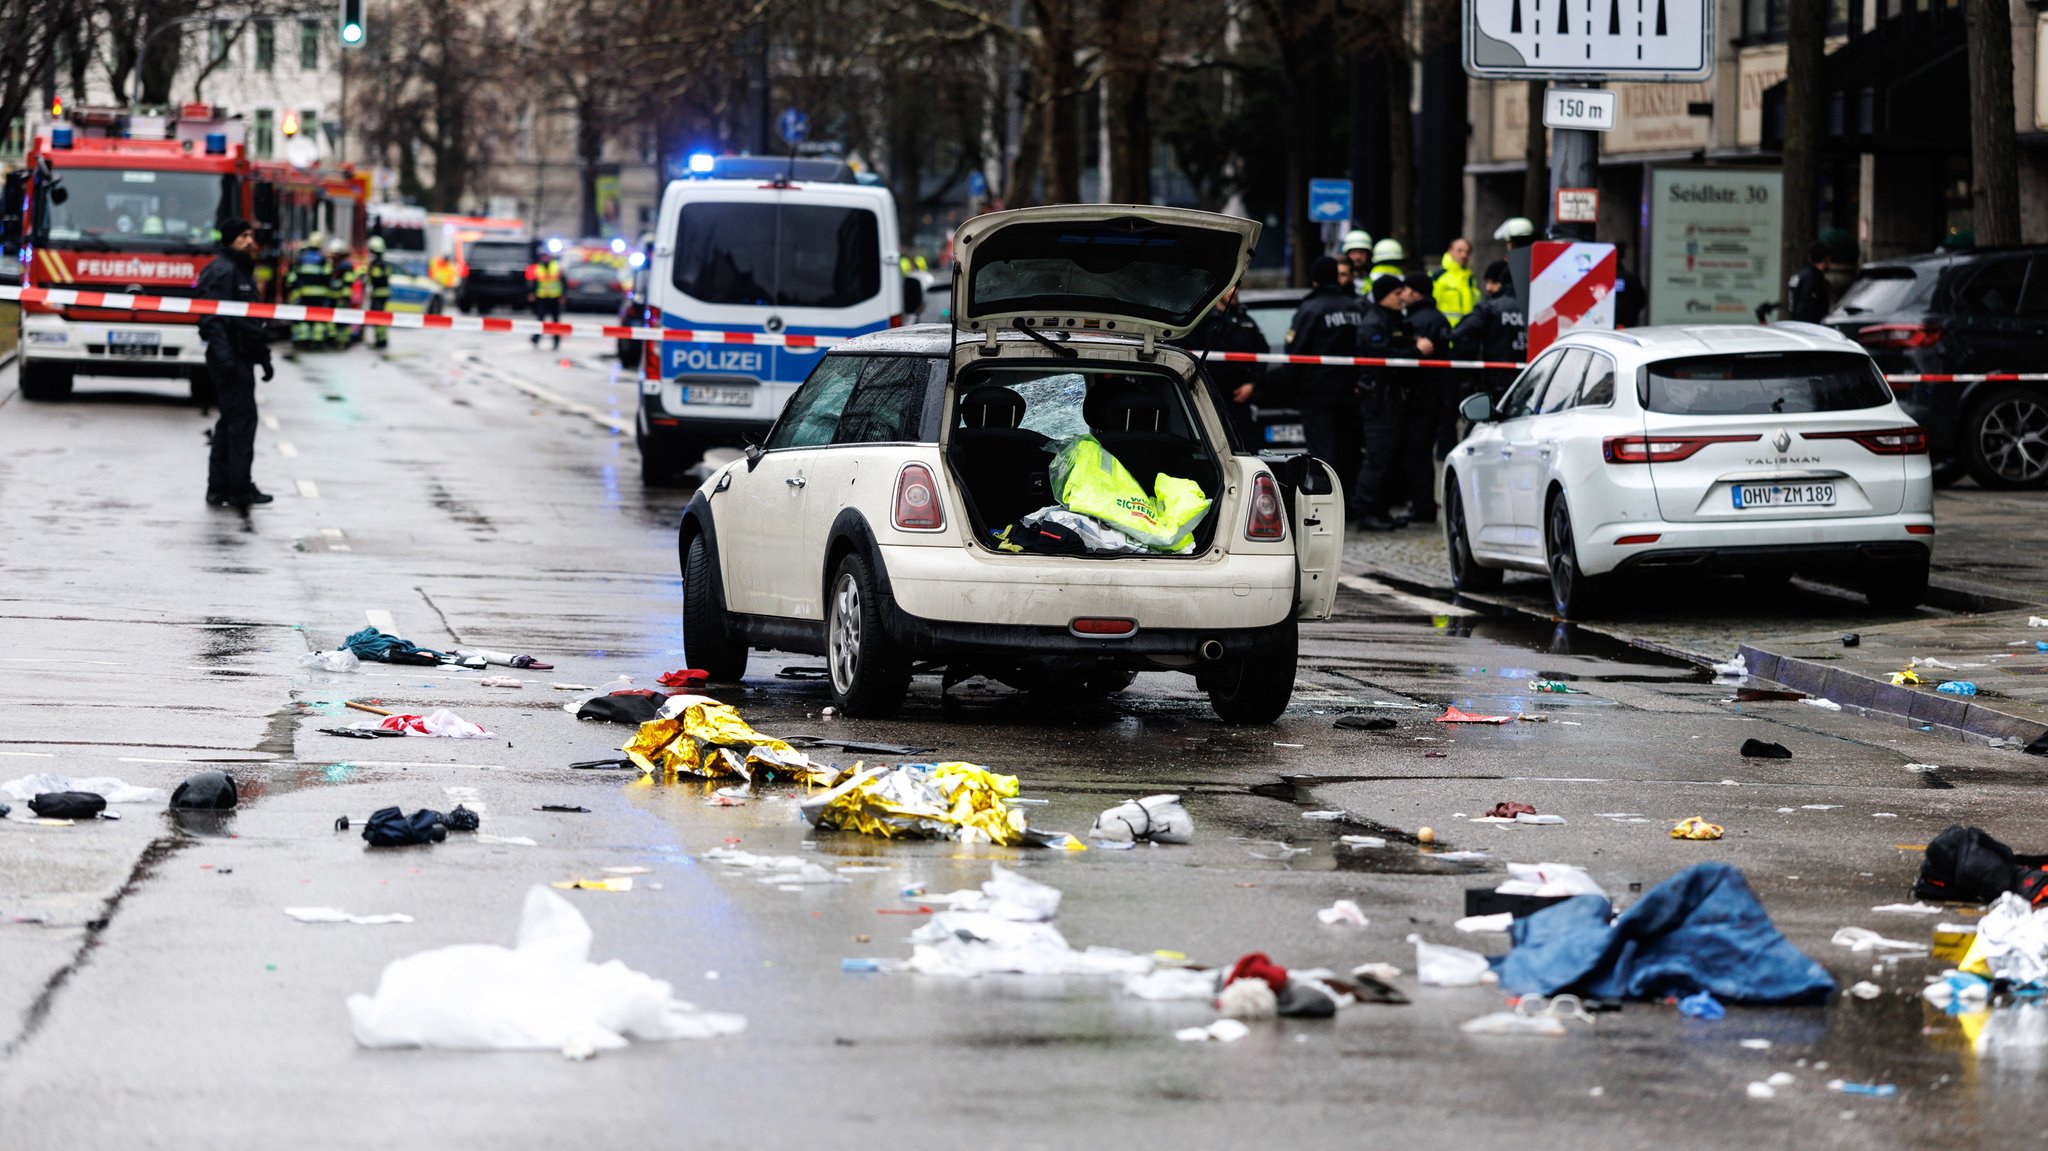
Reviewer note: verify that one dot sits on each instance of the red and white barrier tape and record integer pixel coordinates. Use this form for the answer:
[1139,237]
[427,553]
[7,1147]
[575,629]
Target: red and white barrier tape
[183,305]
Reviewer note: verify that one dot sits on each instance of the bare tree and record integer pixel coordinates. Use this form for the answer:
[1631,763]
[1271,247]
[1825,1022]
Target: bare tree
[30,30]
[1805,30]
[438,105]
[1994,158]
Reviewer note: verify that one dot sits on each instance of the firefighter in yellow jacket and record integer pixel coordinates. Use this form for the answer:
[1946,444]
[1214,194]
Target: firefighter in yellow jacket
[544,290]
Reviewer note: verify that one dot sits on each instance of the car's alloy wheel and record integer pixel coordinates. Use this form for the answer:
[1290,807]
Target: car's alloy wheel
[2008,440]
[1467,573]
[868,676]
[1572,591]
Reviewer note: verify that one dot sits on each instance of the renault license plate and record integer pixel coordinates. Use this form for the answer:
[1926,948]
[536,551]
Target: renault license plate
[723,396]
[1784,495]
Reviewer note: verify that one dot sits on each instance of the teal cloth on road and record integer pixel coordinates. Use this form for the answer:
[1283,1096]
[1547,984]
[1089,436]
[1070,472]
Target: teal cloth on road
[372,644]
[1700,930]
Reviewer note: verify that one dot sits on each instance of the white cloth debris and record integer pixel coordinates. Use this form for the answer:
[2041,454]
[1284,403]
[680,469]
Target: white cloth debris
[2036,621]
[1923,768]
[1153,819]
[337,915]
[443,723]
[2012,939]
[340,659]
[1477,923]
[1739,666]
[789,869]
[1323,816]
[105,786]
[1439,966]
[1866,990]
[1342,911]
[1173,983]
[1545,880]
[1909,908]
[1861,939]
[966,944]
[1361,842]
[1823,704]
[543,993]
[502,681]
[1221,1031]
[1762,1091]
[1380,971]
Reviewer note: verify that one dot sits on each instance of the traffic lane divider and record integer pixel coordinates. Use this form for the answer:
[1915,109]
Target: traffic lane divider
[185,305]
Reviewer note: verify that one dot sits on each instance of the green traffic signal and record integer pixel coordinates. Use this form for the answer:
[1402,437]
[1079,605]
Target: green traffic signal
[351,22]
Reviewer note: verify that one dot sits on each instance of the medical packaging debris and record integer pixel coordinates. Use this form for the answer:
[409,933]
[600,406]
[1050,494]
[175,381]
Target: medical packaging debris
[1823,704]
[1701,1005]
[961,801]
[337,915]
[105,786]
[968,944]
[1481,924]
[372,644]
[1694,827]
[1343,911]
[1957,687]
[1737,667]
[1439,966]
[442,723]
[1323,816]
[2011,944]
[1153,819]
[1865,989]
[697,735]
[1758,749]
[1006,895]
[543,993]
[501,681]
[505,659]
[207,791]
[1221,1031]
[777,869]
[1700,930]
[1875,1090]
[338,660]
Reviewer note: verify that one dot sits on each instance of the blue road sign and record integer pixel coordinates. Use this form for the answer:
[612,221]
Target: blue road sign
[795,126]
[1329,200]
[977,184]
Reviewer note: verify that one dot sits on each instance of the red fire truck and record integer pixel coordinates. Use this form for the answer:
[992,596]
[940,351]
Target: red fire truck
[118,201]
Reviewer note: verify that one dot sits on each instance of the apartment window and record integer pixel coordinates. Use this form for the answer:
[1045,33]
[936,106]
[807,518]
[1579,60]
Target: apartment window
[262,134]
[216,43]
[309,45]
[266,45]
[309,123]
[1765,19]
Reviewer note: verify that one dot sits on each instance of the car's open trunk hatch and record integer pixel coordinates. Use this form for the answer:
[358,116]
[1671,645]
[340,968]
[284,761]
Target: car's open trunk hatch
[1009,423]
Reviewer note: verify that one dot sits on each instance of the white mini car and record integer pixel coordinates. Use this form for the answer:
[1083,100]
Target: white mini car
[866,528]
[1763,451]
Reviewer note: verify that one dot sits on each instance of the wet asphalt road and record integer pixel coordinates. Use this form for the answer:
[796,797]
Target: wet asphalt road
[478,493]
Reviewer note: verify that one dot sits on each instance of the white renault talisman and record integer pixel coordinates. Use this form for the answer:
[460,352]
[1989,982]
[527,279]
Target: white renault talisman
[1762,451]
[881,523]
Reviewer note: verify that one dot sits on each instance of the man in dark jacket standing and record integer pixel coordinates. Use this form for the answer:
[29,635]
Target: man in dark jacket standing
[235,347]
[1494,331]
[1429,397]
[1326,325]
[1383,332]
[1808,287]
[1228,329]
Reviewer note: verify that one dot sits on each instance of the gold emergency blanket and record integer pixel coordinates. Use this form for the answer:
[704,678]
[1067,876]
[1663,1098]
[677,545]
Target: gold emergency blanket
[962,801]
[701,736]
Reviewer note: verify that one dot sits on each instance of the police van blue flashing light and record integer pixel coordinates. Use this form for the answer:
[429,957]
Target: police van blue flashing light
[555,247]
[637,259]
[701,163]
[618,246]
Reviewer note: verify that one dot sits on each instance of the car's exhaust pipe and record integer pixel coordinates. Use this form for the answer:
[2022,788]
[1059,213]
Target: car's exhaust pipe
[1210,650]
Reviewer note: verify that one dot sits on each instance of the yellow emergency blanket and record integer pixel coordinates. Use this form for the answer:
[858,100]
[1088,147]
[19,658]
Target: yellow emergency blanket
[962,801]
[701,736]
[1091,481]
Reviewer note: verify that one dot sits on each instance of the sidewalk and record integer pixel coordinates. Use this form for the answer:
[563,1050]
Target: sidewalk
[1990,575]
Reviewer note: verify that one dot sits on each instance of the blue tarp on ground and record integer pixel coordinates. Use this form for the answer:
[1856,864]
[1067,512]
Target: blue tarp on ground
[1700,930]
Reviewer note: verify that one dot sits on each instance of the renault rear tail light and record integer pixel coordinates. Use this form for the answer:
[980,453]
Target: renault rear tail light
[917,501]
[1267,519]
[1662,449]
[1884,442]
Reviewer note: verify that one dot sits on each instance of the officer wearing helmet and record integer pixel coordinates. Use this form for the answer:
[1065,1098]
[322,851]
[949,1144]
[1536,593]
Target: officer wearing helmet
[343,292]
[378,293]
[310,283]
[1386,259]
[1357,255]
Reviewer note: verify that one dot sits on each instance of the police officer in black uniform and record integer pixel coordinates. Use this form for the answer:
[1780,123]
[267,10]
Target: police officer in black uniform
[1427,394]
[235,347]
[1495,330]
[1808,288]
[1384,332]
[1227,328]
[1326,325]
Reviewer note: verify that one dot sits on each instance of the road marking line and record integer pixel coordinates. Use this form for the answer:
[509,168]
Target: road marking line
[270,422]
[1419,603]
[333,533]
[146,759]
[339,548]
[31,754]
[381,620]
[287,450]
[308,489]
[560,401]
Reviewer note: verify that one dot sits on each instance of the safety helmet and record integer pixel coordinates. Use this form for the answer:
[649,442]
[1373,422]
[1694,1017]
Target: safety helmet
[1356,240]
[337,247]
[1388,252]
[377,244]
[317,240]
[1515,228]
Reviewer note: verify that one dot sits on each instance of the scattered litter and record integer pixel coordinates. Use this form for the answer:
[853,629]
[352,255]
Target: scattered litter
[628,870]
[544,993]
[1514,1023]
[2036,621]
[1968,864]
[371,644]
[1906,677]
[571,687]
[601,764]
[67,805]
[1533,819]
[1767,695]
[1865,990]
[1439,966]
[1737,667]
[1323,816]
[697,735]
[1758,749]
[1473,924]
[962,801]
[1554,686]
[391,827]
[1877,1090]
[1507,811]
[1460,856]
[1425,835]
[337,915]
[788,869]
[729,797]
[1700,930]
[207,791]
[635,707]
[507,840]
[610,883]
[802,673]
[1930,661]
[362,732]
[1702,1005]
[443,723]
[1884,815]
[1693,827]
[1909,908]
[1153,819]
[1820,806]
[1957,687]
[2011,943]
[858,747]
[1221,1031]
[338,660]
[684,677]
[1823,704]
[1361,842]
[1862,939]
[1342,911]
[1959,989]
[502,681]
[1547,880]
[1277,851]
[1852,640]
[1365,722]
[1923,768]
[106,787]
[1757,1044]
[1762,1091]
[1289,746]
[564,808]
[1172,983]
[1453,715]
[967,944]
[505,659]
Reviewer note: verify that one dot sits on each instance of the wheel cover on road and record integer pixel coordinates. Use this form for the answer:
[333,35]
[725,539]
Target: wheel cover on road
[844,642]
[1564,570]
[2013,439]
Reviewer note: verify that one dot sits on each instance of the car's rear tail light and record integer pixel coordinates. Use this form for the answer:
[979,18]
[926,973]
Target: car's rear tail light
[1662,449]
[1103,627]
[1627,541]
[1899,337]
[1267,519]
[1884,441]
[917,501]
[1919,529]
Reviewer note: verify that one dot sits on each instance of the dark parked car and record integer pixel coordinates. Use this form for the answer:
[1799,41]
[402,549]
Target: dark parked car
[493,275]
[1279,425]
[1984,310]
[592,287]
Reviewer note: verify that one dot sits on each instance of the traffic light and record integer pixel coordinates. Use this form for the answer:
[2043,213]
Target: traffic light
[351,23]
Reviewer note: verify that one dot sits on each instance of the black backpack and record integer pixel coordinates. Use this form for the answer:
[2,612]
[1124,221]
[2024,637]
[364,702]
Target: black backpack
[1966,865]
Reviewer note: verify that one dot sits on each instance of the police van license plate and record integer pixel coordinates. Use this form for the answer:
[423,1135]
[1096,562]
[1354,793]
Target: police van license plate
[1784,495]
[1285,434]
[725,396]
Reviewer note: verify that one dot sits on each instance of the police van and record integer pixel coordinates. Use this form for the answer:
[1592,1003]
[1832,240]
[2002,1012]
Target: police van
[754,256]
